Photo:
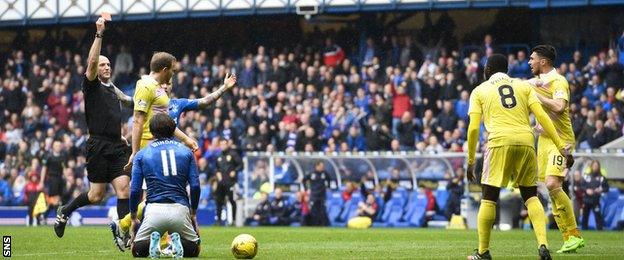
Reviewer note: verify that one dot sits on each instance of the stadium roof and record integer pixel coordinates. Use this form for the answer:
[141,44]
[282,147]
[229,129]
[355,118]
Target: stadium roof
[45,12]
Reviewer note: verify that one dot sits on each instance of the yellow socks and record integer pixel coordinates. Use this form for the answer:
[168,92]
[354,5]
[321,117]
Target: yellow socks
[538,219]
[485,220]
[558,218]
[564,208]
[126,222]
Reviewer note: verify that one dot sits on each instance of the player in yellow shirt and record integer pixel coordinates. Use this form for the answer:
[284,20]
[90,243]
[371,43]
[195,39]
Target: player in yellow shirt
[554,93]
[150,97]
[504,104]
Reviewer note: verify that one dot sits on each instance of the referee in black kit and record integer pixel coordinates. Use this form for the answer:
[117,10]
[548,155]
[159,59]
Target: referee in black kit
[107,151]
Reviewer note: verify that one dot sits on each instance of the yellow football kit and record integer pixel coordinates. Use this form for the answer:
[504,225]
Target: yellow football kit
[550,162]
[504,104]
[150,98]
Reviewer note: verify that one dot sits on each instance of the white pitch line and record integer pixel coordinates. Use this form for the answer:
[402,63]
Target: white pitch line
[61,253]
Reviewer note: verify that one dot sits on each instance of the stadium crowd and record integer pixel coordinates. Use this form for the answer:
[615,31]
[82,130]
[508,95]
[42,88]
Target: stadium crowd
[393,93]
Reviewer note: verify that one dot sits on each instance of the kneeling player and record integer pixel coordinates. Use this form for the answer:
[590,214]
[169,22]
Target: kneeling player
[167,166]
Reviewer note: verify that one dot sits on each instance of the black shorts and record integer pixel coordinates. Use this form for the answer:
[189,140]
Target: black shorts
[106,159]
[55,185]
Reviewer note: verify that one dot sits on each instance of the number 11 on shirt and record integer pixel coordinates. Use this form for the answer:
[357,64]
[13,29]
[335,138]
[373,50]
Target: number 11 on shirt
[165,162]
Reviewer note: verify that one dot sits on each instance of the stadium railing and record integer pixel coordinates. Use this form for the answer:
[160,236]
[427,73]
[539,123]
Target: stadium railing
[264,172]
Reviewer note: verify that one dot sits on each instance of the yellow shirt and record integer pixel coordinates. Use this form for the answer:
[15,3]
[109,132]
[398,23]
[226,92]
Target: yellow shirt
[504,104]
[150,98]
[555,86]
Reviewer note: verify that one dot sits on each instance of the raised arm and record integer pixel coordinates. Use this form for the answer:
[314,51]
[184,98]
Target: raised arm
[228,83]
[94,52]
[185,139]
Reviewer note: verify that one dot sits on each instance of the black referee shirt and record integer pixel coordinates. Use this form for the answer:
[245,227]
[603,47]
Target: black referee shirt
[102,109]
[55,164]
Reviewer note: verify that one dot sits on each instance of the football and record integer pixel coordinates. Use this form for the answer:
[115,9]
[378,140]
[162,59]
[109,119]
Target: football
[244,246]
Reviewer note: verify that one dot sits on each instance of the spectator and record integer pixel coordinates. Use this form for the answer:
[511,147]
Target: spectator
[447,120]
[355,140]
[368,52]
[461,106]
[521,67]
[406,131]
[280,214]
[300,210]
[600,136]
[367,211]
[455,187]
[31,193]
[347,194]
[595,184]
[377,136]
[401,105]
[579,192]
[594,89]
[613,73]
[431,207]
[262,214]
[247,77]
[332,54]
[6,195]
[124,65]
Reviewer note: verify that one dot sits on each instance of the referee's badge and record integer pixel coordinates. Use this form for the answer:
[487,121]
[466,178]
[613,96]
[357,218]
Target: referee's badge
[142,103]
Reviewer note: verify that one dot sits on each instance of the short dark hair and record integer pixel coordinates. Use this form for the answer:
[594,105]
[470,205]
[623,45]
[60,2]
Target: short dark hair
[162,126]
[161,60]
[546,51]
[496,63]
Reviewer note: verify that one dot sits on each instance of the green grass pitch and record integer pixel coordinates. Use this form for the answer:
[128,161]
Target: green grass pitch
[316,243]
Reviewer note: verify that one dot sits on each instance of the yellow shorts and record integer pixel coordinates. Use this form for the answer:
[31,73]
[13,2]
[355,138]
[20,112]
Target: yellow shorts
[513,162]
[549,161]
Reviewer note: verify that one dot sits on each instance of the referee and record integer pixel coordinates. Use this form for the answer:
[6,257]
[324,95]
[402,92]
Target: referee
[106,150]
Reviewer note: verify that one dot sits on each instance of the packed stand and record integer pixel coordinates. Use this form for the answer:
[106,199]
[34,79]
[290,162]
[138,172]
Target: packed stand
[392,93]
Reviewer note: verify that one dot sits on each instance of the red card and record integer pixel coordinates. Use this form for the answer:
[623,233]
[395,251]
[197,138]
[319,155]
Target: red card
[107,16]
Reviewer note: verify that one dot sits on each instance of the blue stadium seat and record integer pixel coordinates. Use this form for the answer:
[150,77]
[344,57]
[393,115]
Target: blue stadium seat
[610,197]
[392,211]
[380,208]
[614,213]
[401,192]
[415,211]
[334,208]
[441,196]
